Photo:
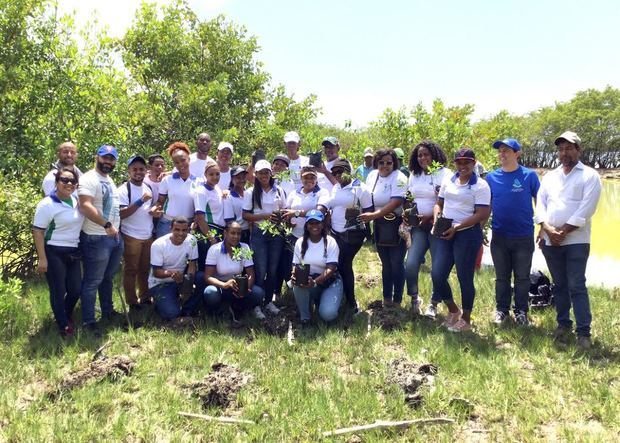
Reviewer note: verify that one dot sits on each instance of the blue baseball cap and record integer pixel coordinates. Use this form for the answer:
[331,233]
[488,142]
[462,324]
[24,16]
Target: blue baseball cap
[107,150]
[314,214]
[510,142]
[136,158]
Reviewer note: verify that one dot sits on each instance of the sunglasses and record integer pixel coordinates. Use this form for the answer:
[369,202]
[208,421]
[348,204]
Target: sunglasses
[68,181]
[384,163]
[338,172]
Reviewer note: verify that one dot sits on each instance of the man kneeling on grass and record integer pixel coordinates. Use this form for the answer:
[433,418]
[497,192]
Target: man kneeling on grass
[173,272]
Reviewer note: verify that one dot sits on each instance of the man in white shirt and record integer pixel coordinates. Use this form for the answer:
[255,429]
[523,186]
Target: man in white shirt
[292,142]
[67,156]
[566,202]
[331,149]
[101,244]
[136,203]
[224,156]
[198,159]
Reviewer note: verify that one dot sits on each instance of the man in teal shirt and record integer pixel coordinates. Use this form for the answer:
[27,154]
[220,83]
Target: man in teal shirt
[363,170]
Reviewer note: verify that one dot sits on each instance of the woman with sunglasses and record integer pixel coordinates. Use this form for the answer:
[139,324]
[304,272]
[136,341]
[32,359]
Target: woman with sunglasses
[388,187]
[56,231]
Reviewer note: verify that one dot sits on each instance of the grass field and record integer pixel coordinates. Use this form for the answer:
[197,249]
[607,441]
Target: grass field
[509,383]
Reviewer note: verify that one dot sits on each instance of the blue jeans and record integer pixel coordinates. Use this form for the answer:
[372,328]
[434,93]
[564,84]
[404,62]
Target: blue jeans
[512,255]
[461,251]
[393,271]
[168,303]
[328,300]
[216,298]
[267,250]
[102,258]
[163,227]
[421,241]
[64,278]
[567,265]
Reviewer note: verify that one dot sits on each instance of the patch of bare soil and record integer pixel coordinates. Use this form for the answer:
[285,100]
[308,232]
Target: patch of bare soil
[111,368]
[411,377]
[219,388]
[387,317]
[368,280]
[278,324]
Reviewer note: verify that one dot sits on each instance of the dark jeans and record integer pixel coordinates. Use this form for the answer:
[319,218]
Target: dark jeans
[347,253]
[267,250]
[285,267]
[512,255]
[167,301]
[421,241]
[393,271]
[102,257]
[216,298]
[567,265]
[461,251]
[64,278]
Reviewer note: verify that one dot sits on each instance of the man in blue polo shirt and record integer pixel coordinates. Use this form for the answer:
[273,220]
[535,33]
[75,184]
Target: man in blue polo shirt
[512,189]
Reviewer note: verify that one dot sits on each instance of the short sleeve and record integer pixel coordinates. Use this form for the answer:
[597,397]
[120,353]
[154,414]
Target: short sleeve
[247,200]
[399,185]
[211,259]
[297,252]
[229,210]
[87,186]
[43,215]
[365,198]
[482,194]
[157,254]
[248,262]
[535,184]
[200,200]
[123,195]
[332,251]
[163,186]
[193,253]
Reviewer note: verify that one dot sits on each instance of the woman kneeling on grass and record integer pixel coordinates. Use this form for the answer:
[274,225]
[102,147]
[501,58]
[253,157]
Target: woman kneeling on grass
[465,199]
[56,231]
[225,260]
[324,287]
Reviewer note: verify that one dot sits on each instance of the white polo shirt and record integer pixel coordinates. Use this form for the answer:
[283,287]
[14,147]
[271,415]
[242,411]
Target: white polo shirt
[316,255]
[460,201]
[166,255]
[288,186]
[323,182]
[383,189]
[271,201]
[423,189]
[62,222]
[569,198]
[197,166]
[211,202]
[225,267]
[295,167]
[224,179]
[236,202]
[180,193]
[105,199]
[154,187]
[353,195]
[138,225]
[300,200]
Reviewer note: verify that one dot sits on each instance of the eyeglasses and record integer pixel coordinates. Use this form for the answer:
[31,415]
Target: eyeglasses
[383,163]
[68,181]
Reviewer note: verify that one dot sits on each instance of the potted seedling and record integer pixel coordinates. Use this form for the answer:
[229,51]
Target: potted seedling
[315,159]
[241,254]
[432,169]
[302,273]
[411,210]
[441,225]
[301,270]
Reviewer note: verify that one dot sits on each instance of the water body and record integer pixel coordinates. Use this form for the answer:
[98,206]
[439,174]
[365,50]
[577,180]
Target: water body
[604,263]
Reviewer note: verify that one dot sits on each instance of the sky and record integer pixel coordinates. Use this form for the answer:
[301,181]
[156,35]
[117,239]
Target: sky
[361,57]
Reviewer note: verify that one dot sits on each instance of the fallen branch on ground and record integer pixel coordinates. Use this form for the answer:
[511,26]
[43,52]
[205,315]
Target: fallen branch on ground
[227,420]
[379,424]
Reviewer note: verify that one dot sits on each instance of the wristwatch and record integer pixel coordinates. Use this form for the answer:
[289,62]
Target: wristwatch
[297,213]
[107,225]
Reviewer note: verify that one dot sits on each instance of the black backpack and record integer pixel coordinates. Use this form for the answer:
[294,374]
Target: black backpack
[541,290]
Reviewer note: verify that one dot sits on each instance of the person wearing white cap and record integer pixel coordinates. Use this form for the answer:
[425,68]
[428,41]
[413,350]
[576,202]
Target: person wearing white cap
[296,161]
[224,156]
[363,170]
[198,159]
[565,205]
[260,203]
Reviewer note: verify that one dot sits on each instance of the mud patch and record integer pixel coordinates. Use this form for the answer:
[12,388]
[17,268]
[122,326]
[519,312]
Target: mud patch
[368,280]
[387,317]
[411,378]
[111,368]
[219,388]
[277,325]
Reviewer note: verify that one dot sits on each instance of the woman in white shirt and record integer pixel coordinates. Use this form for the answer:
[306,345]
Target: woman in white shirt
[324,287]
[56,232]
[424,186]
[464,199]
[224,261]
[238,176]
[388,187]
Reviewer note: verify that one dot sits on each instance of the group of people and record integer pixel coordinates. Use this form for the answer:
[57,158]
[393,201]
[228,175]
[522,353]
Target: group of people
[221,238]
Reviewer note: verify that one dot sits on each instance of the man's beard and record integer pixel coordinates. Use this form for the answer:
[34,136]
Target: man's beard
[106,169]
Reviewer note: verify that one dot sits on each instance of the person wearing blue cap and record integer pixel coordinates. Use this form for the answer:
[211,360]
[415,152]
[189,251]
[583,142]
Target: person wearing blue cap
[101,244]
[513,187]
[320,252]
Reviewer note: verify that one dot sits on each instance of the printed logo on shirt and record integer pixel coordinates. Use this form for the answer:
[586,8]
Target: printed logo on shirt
[517,186]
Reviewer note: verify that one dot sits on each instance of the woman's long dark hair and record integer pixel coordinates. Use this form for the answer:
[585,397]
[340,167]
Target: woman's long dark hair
[437,155]
[65,169]
[304,242]
[257,192]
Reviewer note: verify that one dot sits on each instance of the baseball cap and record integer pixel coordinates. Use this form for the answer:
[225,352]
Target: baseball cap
[107,150]
[238,170]
[331,140]
[262,164]
[343,164]
[465,154]
[135,158]
[314,214]
[283,158]
[308,170]
[399,153]
[510,142]
[224,145]
[570,137]
[368,152]
[291,136]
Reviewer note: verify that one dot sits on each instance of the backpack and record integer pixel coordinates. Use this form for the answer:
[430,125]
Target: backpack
[541,290]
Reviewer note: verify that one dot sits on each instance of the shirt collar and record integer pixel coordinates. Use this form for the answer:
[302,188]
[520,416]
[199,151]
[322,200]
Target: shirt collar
[223,248]
[472,180]
[234,193]
[314,190]
[177,175]
[209,188]
[54,197]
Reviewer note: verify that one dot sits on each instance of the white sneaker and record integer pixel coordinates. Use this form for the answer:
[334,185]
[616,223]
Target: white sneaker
[258,313]
[273,309]
[431,311]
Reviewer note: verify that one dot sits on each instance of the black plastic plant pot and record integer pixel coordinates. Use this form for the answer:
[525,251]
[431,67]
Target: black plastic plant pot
[442,224]
[257,155]
[242,284]
[412,215]
[277,215]
[315,159]
[302,272]
[351,215]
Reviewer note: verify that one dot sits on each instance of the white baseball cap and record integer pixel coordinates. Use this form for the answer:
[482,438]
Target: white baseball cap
[262,164]
[368,152]
[570,137]
[224,145]
[291,136]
